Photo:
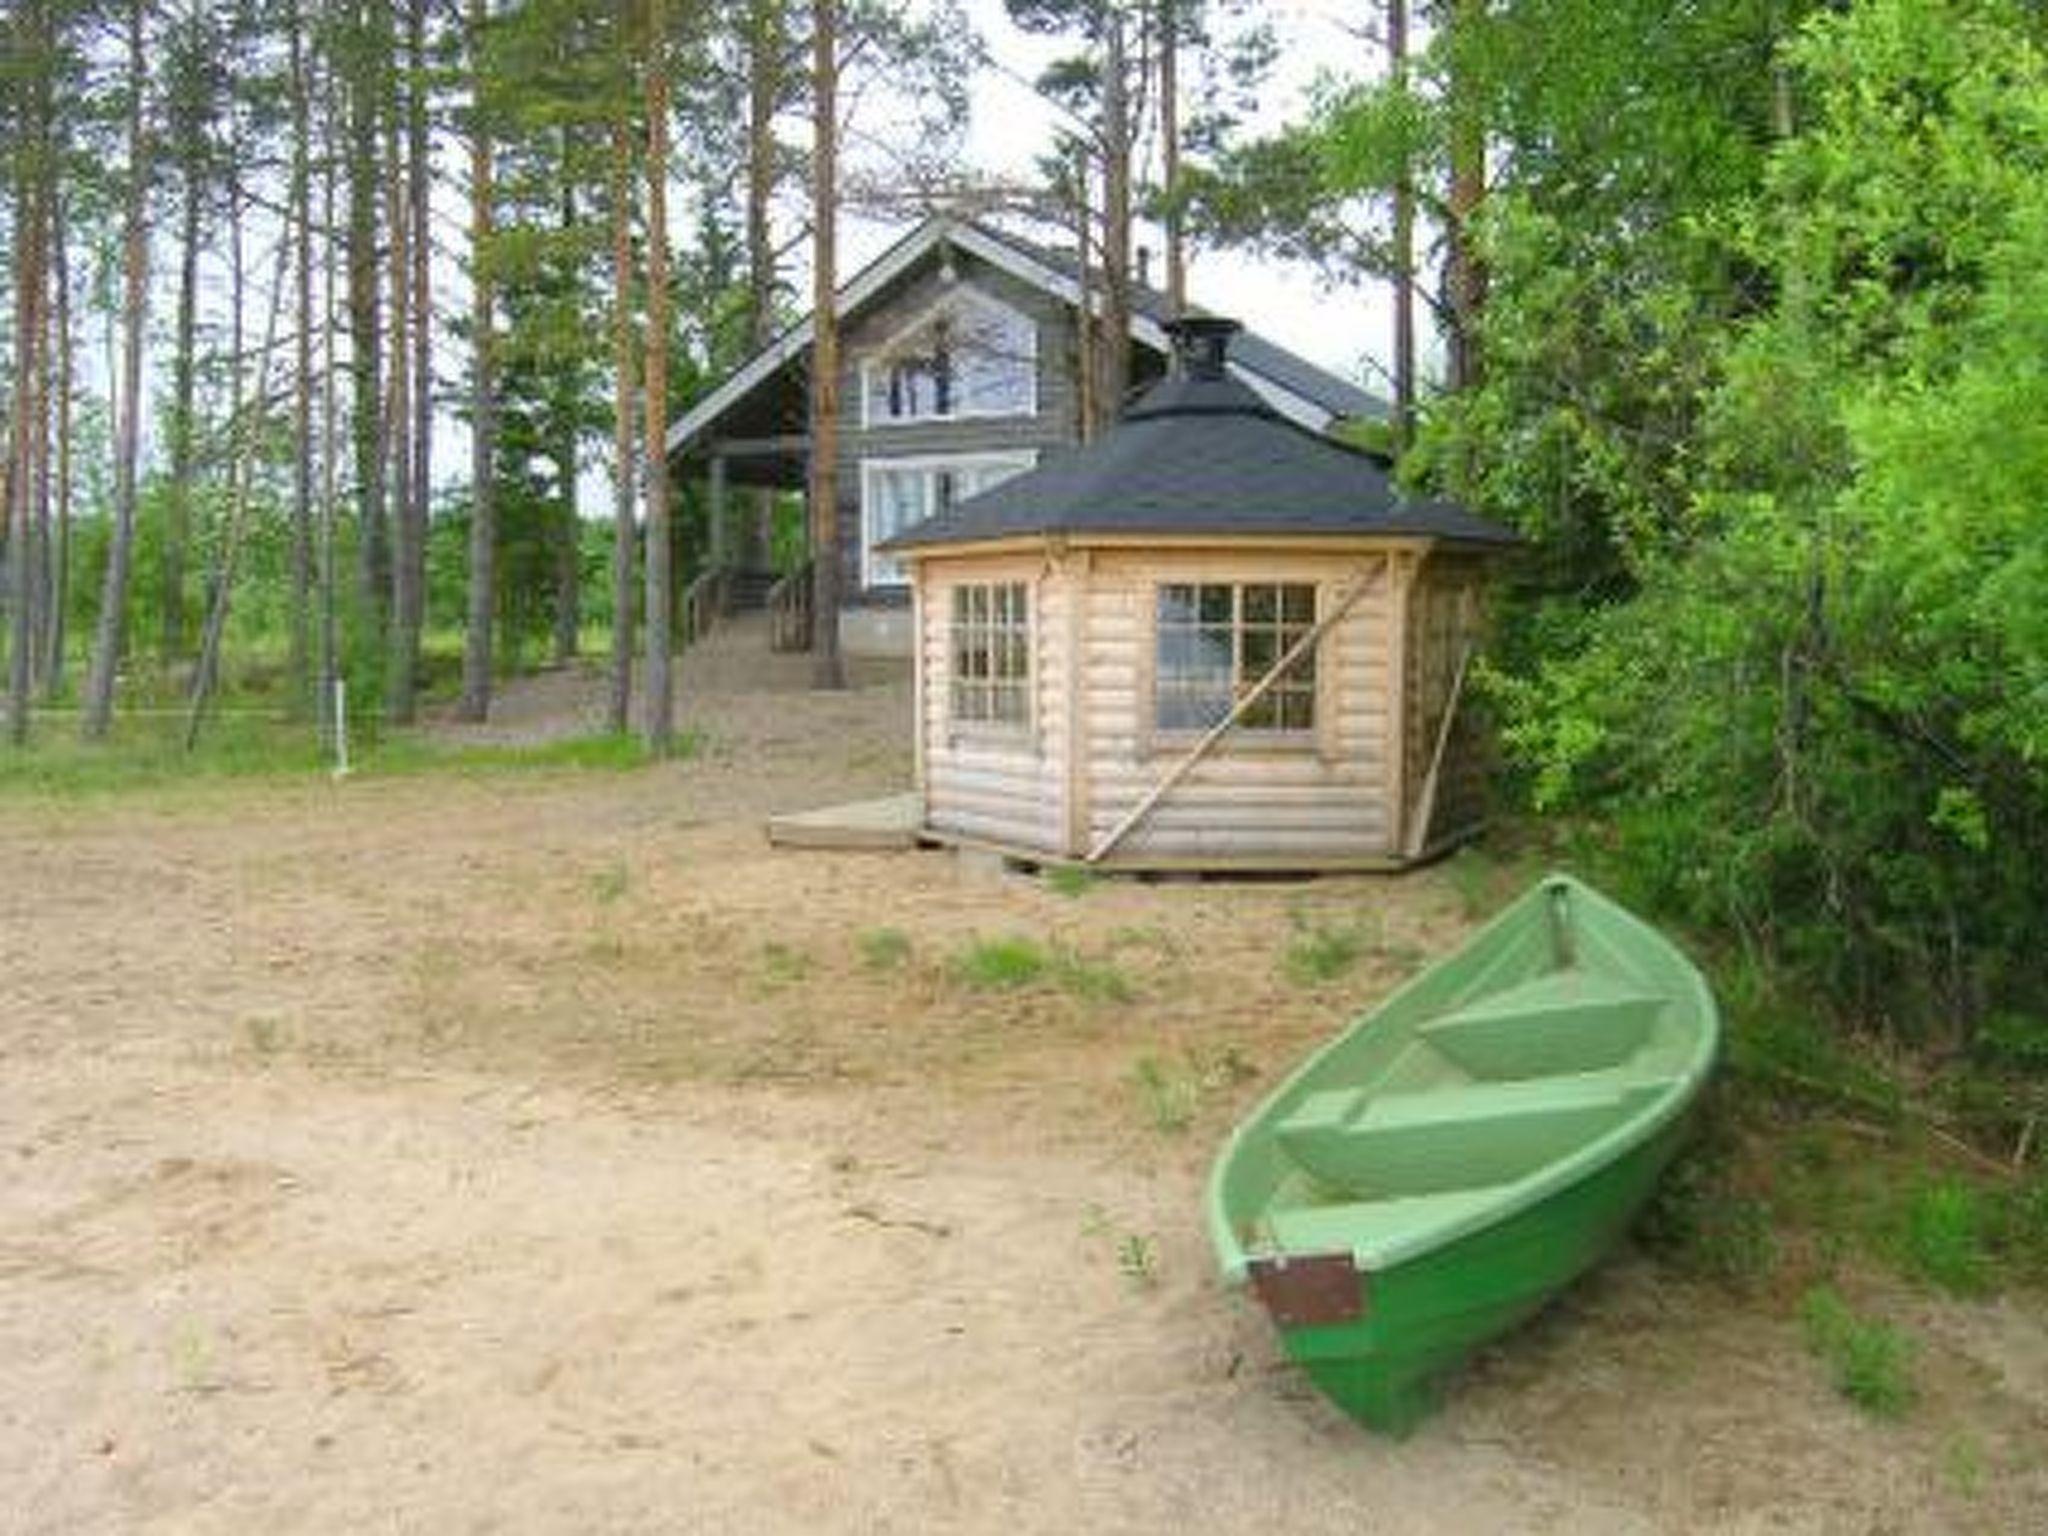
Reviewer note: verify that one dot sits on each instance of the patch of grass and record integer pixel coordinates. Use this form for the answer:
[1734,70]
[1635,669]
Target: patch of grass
[884,949]
[1173,1093]
[1320,952]
[1171,1096]
[1869,1360]
[783,965]
[1013,963]
[266,1036]
[605,751]
[611,882]
[1943,1237]
[1094,981]
[1000,965]
[1699,1222]
[148,752]
[1137,1258]
[1962,1459]
[1070,879]
[2020,1226]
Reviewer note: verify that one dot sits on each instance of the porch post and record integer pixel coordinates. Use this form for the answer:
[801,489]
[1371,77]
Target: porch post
[718,551]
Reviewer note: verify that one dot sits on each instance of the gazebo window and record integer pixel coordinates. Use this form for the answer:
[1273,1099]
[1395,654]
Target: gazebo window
[1216,641]
[991,650]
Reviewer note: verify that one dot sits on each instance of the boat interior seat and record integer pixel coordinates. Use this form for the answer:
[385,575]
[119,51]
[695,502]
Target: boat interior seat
[1369,1226]
[1565,1022]
[1398,1145]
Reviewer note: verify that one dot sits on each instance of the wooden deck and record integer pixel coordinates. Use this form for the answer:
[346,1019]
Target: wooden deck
[890,822]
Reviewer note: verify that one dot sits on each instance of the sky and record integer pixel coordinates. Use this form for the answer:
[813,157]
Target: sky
[1346,330]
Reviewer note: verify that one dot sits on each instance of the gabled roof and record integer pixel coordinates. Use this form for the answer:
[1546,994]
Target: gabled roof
[1297,389]
[1200,454]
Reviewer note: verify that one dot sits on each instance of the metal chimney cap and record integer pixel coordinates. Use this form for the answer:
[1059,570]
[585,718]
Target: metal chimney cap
[1201,344]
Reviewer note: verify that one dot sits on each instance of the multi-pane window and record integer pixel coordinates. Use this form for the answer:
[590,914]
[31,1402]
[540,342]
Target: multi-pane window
[991,649]
[1216,641]
[969,357]
[899,493]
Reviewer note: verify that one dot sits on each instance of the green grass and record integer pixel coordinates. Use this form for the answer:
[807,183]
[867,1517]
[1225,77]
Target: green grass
[148,753]
[1173,1092]
[884,949]
[605,751]
[1319,952]
[783,965]
[1943,1237]
[611,882]
[1000,965]
[1137,1258]
[1870,1361]
[1013,963]
[1070,880]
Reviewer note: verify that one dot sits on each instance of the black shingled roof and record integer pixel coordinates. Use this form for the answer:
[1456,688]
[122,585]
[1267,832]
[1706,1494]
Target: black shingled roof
[1202,455]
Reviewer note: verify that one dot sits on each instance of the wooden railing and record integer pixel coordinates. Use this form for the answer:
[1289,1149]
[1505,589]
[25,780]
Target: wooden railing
[789,611]
[705,601]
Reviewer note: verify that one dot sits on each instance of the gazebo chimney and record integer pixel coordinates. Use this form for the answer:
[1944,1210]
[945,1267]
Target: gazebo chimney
[1201,345]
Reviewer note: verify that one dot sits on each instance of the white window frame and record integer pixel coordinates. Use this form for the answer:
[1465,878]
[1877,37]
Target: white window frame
[928,464]
[960,727]
[951,302]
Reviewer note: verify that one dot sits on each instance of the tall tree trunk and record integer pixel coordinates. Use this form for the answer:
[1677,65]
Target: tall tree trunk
[659,718]
[327,550]
[47,393]
[299,664]
[483,515]
[1116,224]
[420,175]
[1169,155]
[1403,245]
[1464,270]
[401,667]
[369,38]
[624,565]
[111,631]
[184,424]
[27,435]
[59,602]
[1087,335]
[828,668]
[766,39]
[568,438]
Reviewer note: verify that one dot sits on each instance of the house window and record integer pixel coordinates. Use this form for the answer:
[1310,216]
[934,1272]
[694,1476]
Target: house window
[967,356]
[1216,641]
[896,494]
[991,651]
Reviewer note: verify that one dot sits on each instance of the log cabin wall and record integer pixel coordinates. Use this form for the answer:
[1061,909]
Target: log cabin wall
[995,784]
[1446,618]
[1318,797]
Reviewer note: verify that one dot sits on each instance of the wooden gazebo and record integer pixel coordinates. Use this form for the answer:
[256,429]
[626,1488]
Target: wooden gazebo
[1208,639]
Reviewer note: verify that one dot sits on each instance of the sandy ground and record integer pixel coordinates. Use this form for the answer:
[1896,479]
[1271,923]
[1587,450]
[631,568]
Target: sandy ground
[544,1153]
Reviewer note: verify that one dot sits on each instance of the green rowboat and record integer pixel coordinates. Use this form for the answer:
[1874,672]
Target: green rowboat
[1442,1168]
